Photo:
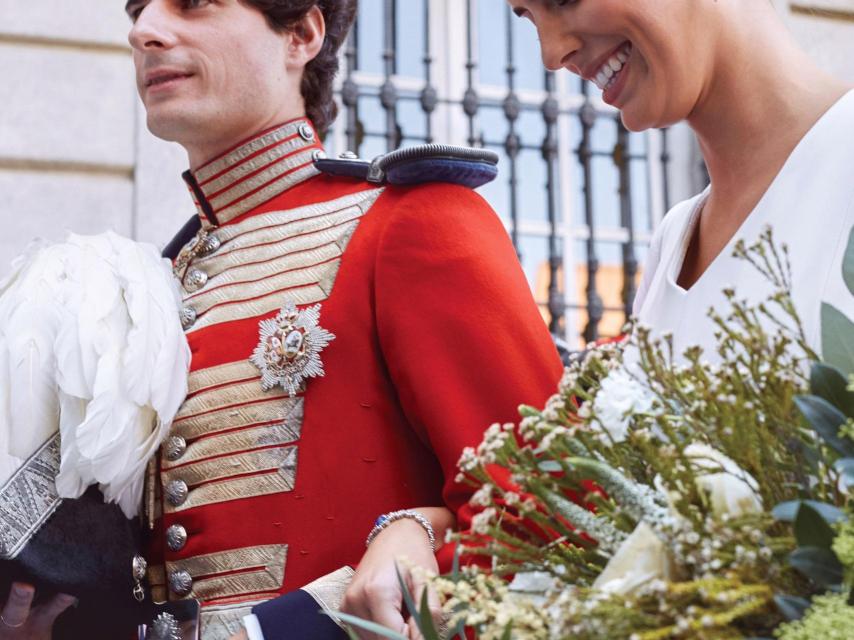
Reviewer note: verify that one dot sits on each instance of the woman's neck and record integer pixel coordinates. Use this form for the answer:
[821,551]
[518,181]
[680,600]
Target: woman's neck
[763,97]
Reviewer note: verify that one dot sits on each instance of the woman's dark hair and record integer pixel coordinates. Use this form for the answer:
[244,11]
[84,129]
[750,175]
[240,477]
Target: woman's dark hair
[319,74]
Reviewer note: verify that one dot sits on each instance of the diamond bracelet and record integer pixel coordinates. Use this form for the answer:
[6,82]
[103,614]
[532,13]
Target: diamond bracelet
[386,519]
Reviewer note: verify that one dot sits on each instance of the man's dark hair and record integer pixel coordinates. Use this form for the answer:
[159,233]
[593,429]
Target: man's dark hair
[319,73]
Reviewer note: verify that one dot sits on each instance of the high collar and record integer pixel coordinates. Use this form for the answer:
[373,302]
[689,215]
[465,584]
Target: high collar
[254,172]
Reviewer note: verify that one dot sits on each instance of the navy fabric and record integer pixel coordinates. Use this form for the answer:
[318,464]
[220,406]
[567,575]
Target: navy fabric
[344,168]
[190,228]
[296,616]
[468,173]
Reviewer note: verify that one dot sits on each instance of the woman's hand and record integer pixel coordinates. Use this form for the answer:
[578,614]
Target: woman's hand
[20,621]
[374,593]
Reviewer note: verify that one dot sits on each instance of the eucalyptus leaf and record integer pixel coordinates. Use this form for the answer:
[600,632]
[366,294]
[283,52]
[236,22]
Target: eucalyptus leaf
[550,466]
[826,420]
[787,511]
[455,566]
[828,383]
[845,468]
[427,626]
[848,263]
[837,346]
[792,607]
[819,565]
[811,529]
[373,627]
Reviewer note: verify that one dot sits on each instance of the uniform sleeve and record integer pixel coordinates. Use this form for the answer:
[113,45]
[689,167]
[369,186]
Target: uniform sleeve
[463,339]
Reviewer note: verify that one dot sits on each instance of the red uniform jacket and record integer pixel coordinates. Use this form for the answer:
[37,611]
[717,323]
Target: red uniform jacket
[436,337]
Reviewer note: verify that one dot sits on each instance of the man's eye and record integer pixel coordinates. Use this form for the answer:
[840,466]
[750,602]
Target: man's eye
[195,4]
[134,9]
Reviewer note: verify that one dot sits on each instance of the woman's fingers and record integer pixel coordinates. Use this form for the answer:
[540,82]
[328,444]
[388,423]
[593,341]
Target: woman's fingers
[417,582]
[17,608]
[45,615]
[384,600]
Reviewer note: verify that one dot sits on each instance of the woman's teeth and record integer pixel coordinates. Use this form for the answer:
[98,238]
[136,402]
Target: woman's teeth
[610,71]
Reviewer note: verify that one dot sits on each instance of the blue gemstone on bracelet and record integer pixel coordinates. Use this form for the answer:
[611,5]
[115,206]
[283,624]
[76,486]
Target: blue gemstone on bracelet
[382,519]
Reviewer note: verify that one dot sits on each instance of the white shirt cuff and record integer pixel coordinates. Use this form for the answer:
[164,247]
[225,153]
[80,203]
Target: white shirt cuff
[253,627]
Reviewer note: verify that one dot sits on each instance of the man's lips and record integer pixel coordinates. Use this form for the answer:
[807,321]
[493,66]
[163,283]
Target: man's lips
[159,77]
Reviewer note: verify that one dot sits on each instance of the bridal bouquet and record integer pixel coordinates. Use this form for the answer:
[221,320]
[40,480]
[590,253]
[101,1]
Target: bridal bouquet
[660,497]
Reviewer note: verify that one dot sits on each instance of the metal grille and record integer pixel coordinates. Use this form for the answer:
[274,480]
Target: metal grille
[577,192]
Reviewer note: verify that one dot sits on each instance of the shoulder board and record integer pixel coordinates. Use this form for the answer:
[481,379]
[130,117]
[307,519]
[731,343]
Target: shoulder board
[416,165]
[190,228]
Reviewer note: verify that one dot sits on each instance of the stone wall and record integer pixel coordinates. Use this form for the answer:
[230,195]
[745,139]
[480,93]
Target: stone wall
[74,152]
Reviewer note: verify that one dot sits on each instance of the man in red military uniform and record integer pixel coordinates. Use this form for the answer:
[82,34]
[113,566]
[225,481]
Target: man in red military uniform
[348,338]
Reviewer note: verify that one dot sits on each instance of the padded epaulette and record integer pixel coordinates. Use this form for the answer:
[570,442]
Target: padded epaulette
[416,165]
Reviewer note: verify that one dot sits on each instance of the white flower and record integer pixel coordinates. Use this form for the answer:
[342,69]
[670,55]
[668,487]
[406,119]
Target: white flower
[732,491]
[641,560]
[533,582]
[619,398]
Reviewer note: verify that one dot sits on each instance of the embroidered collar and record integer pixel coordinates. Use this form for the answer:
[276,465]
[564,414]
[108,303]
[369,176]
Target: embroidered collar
[254,172]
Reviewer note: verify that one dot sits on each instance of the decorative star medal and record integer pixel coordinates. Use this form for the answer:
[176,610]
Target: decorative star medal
[290,346]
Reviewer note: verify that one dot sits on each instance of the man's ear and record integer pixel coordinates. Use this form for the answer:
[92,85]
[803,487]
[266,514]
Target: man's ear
[307,38]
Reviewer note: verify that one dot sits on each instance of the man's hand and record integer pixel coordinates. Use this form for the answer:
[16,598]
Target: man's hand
[19,621]
[375,594]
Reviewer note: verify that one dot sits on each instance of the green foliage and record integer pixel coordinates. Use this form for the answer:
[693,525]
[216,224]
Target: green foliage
[848,263]
[837,348]
[718,495]
[826,420]
[811,529]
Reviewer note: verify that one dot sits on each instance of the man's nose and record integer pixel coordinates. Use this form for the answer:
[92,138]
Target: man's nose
[153,28]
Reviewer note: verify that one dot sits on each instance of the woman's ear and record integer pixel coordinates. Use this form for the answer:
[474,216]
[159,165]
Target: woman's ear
[306,38]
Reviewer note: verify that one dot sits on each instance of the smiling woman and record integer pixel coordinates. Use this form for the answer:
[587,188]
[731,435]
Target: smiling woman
[768,121]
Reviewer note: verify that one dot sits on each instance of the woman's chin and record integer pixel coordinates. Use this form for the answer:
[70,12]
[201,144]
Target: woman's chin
[636,120]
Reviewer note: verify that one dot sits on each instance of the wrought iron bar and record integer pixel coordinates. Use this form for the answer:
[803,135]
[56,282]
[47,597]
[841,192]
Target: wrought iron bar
[350,91]
[512,108]
[429,95]
[470,98]
[388,92]
[595,309]
[556,304]
[623,160]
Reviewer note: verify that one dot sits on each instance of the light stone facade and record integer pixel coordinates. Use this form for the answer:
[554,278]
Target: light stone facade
[74,151]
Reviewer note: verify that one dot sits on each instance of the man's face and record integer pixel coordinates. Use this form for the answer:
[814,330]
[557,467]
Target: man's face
[210,72]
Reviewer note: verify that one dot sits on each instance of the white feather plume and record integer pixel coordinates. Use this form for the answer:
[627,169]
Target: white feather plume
[91,345]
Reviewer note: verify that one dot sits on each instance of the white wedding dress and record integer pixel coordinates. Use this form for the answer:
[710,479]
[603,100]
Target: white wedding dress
[809,206]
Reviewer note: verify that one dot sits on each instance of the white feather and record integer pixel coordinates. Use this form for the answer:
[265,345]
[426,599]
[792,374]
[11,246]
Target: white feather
[91,344]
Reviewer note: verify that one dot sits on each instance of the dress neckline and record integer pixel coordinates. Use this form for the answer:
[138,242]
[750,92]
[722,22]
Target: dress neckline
[821,128]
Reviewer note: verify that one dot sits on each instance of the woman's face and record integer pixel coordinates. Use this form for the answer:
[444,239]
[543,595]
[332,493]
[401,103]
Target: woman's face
[650,58]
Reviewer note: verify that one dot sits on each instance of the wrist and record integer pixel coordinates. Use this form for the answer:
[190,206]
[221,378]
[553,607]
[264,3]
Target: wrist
[410,516]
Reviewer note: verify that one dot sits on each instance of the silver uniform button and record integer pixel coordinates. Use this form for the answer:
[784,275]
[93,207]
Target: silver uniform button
[348,155]
[139,567]
[188,317]
[175,447]
[211,244]
[306,132]
[195,279]
[318,154]
[176,537]
[176,492]
[181,582]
